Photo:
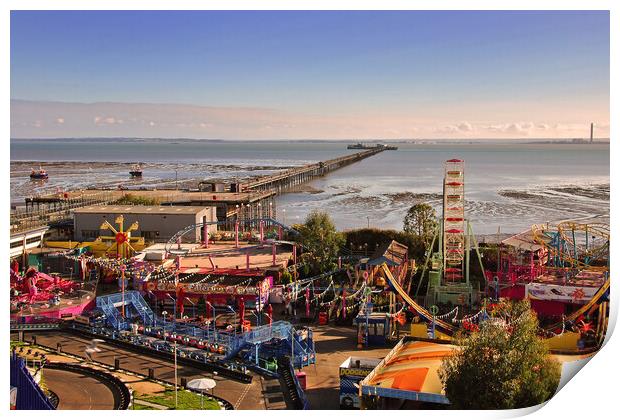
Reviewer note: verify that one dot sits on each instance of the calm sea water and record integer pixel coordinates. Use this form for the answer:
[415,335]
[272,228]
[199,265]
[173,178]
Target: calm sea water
[507,185]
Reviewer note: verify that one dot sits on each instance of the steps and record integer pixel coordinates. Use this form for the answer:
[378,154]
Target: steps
[132,299]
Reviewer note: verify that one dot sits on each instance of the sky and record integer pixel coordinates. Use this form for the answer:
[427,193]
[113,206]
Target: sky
[309,75]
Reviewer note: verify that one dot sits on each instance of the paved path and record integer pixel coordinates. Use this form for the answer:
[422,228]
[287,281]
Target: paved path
[244,396]
[77,391]
[150,404]
[333,346]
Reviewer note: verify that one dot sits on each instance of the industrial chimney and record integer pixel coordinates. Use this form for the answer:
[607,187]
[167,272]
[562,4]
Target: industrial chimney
[591,132]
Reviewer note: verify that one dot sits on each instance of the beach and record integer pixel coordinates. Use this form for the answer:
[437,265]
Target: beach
[507,186]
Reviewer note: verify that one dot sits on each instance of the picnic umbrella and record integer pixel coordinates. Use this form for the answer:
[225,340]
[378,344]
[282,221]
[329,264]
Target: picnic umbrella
[201,384]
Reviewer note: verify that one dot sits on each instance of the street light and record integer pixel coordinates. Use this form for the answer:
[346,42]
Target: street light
[214,323]
[368,219]
[234,319]
[164,313]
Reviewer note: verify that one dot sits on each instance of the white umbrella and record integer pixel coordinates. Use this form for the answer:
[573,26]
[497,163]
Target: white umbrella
[201,384]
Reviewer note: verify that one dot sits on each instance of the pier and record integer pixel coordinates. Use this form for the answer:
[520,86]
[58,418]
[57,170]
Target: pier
[250,199]
[297,176]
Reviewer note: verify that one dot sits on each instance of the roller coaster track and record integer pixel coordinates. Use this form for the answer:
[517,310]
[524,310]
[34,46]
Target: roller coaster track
[447,328]
[173,240]
[563,247]
[594,301]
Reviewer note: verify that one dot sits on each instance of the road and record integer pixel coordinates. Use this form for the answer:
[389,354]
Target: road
[242,396]
[77,391]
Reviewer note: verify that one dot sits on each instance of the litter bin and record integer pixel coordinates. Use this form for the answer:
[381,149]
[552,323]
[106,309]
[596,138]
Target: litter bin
[301,377]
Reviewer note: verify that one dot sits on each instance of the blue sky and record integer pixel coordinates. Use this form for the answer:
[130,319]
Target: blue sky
[309,74]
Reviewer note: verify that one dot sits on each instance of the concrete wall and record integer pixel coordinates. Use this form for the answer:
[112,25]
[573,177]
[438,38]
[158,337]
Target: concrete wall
[153,226]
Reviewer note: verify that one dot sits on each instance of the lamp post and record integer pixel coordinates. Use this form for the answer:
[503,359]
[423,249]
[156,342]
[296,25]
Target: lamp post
[234,319]
[164,313]
[214,328]
[176,388]
[368,219]
[213,377]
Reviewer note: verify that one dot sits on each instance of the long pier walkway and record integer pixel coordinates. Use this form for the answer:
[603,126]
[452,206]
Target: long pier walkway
[296,176]
[53,208]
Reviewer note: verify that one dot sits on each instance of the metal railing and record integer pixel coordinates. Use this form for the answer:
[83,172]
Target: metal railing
[24,220]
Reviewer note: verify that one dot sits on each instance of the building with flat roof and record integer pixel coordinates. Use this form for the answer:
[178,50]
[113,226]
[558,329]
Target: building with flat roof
[155,223]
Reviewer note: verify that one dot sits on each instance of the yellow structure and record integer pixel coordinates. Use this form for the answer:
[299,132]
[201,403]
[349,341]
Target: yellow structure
[566,341]
[421,331]
[102,246]
[121,237]
[98,247]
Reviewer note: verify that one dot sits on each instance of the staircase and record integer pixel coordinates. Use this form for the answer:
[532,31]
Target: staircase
[303,346]
[109,306]
[144,310]
[293,393]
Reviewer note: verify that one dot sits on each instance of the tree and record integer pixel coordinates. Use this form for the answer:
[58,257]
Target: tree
[504,365]
[320,237]
[286,277]
[421,220]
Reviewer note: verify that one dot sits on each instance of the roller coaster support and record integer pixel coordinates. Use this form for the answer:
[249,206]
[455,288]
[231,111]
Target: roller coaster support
[237,234]
[429,253]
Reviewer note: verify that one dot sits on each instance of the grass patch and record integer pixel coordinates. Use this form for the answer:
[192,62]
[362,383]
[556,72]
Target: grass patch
[137,200]
[187,400]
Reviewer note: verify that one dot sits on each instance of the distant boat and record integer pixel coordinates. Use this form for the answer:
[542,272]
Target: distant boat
[39,174]
[136,171]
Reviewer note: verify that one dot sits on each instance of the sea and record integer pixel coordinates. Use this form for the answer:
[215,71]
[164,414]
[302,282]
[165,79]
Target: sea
[508,185]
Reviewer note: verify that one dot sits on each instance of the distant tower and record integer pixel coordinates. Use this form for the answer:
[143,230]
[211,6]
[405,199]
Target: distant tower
[591,132]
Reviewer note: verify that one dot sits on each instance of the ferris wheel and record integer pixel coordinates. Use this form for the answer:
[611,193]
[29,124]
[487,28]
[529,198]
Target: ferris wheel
[453,220]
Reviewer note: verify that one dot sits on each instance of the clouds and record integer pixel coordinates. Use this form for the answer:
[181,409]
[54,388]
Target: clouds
[41,119]
[98,120]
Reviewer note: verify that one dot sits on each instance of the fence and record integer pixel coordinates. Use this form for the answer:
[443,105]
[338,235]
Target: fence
[54,210]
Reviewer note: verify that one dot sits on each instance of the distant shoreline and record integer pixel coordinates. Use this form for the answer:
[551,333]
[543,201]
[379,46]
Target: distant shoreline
[388,141]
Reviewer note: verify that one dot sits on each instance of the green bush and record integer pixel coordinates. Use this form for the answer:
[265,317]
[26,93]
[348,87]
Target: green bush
[137,200]
[376,237]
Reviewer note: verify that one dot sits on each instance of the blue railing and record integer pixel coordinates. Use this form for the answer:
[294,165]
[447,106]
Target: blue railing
[108,303]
